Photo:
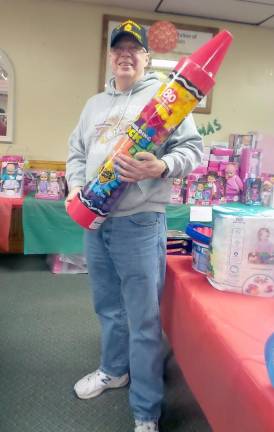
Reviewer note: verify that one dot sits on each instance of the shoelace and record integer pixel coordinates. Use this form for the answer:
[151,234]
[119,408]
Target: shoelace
[96,373]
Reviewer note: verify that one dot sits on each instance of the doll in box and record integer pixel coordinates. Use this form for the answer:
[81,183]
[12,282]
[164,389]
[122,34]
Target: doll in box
[53,185]
[43,183]
[199,193]
[176,195]
[252,193]
[266,193]
[11,179]
[49,186]
[234,184]
[211,179]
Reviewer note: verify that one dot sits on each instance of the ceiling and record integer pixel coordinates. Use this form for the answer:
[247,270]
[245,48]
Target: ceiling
[252,12]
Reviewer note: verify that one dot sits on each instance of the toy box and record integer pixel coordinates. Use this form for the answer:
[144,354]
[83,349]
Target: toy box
[238,142]
[234,184]
[11,176]
[50,185]
[199,192]
[242,250]
[250,163]
[177,191]
[218,185]
[267,190]
[265,143]
[252,191]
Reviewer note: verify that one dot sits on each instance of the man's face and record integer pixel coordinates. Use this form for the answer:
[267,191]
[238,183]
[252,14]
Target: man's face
[128,61]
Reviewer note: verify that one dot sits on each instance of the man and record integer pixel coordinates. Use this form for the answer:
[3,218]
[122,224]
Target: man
[126,255]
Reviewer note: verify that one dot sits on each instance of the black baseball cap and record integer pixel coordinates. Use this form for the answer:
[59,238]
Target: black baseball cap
[131,28]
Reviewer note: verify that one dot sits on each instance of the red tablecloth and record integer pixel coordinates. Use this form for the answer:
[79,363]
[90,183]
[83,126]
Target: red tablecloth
[6,206]
[218,340]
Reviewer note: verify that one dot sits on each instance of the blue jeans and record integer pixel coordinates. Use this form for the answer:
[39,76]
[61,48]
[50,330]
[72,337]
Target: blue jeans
[126,260]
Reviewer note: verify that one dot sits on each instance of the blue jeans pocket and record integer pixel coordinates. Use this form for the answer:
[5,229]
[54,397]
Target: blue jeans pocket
[144,218]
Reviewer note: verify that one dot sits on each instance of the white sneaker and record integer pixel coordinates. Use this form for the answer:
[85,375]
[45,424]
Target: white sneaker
[146,426]
[94,384]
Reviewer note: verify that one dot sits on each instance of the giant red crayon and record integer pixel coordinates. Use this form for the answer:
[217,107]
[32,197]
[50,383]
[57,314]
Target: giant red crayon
[189,82]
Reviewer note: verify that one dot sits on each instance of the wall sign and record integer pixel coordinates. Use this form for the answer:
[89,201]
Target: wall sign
[210,128]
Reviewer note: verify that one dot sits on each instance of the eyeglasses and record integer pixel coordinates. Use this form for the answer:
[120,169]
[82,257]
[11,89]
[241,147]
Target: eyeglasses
[131,49]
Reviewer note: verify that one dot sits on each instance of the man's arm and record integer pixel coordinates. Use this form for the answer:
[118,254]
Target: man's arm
[183,151]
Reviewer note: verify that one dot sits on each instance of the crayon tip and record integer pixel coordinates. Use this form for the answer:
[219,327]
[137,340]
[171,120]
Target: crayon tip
[210,55]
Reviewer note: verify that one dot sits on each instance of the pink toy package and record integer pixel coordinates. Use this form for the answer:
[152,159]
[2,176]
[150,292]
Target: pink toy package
[177,191]
[267,190]
[218,185]
[252,191]
[11,176]
[50,185]
[265,143]
[250,164]
[239,142]
[196,174]
[199,192]
[220,154]
[234,184]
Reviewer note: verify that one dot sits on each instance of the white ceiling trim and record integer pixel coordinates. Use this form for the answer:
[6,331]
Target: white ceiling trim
[250,12]
[237,11]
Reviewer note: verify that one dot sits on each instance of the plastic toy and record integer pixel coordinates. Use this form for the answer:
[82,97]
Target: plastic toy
[190,81]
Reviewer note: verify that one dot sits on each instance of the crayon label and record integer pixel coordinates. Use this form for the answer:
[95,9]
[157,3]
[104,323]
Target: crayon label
[106,173]
[169,96]
[138,136]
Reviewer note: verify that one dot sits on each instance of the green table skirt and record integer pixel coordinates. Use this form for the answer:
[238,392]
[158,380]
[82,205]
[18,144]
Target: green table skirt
[49,230]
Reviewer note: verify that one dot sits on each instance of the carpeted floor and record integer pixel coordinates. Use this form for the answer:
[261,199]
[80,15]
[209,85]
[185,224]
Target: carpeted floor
[49,338]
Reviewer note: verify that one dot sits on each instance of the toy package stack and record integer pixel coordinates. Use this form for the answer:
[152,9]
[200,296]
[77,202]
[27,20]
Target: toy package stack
[12,176]
[50,185]
[254,154]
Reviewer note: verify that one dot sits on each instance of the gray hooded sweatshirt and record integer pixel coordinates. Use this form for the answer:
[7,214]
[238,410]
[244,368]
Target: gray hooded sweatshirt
[104,120]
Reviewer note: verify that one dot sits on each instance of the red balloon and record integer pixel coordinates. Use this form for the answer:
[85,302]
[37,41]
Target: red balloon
[162,36]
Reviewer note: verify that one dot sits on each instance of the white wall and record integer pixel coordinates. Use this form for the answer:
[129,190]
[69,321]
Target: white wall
[55,48]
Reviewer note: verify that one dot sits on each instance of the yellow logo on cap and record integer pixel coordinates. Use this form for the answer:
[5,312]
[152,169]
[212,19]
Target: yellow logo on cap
[128,27]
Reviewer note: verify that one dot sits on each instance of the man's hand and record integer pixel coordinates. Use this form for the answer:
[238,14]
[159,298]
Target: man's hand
[144,166]
[71,195]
